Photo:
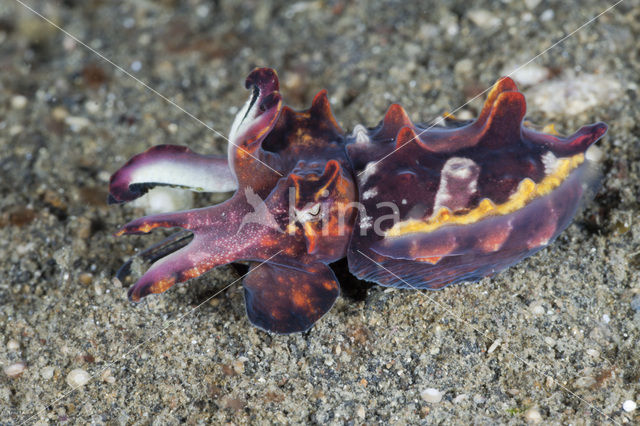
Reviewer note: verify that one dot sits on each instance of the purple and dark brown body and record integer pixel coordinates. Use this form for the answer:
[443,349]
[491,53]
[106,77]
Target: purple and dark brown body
[410,206]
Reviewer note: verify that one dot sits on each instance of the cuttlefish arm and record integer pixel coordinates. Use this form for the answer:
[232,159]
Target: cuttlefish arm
[220,236]
[170,165]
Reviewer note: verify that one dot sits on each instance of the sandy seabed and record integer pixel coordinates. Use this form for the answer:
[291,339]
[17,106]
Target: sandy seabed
[553,339]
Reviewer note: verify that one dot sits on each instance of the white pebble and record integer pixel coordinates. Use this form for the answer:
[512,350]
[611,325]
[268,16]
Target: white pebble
[202,11]
[15,370]
[23,249]
[462,397]
[629,405]
[18,102]
[128,22]
[547,15]
[97,288]
[593,352]
[360,412]
[12,345]
[463,67]
[15,130]
[47,372]
[431,395]
[78,378]
[536,308]
[172,128]
[606,318]
[77,123]
[68,43]
[573,94]
[531,4]
[107,377]
[479,399]
[136,66]
[92,107]
[532,415]
[483,18]
[494,345]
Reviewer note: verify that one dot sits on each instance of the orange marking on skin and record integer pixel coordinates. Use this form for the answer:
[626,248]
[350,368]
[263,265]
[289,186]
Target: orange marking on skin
[505,84]
[277,314]
[396,117]
[432,254]
[301,299]
[322,107]
[312,237]
[144,228]
[291,228]
[162,285]
[405,136]
[506,104]
[332,167]
[192,273]
[296,183]
[148,227]
[329,285]
[542,236]
[495,240]
[432,260]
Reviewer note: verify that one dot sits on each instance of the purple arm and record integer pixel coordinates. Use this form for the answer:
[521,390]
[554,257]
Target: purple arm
[170,165]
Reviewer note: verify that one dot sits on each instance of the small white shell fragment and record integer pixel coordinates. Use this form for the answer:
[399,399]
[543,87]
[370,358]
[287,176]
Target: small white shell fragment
[18,102]
[547,15]
[12,345]
[593,352]
[47,372]
[361,412]
[532,415]
[531,4]
[107,377]
[571,95]
[77,378]
[536,308]
[479,399]
[172,128]
[431,395]
[462,397]
[76,124]
[15,370]
[629,406]
[483,18]
[494,345]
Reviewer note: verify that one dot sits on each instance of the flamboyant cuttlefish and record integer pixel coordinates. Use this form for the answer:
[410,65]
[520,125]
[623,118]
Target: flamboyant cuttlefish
[411,206]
